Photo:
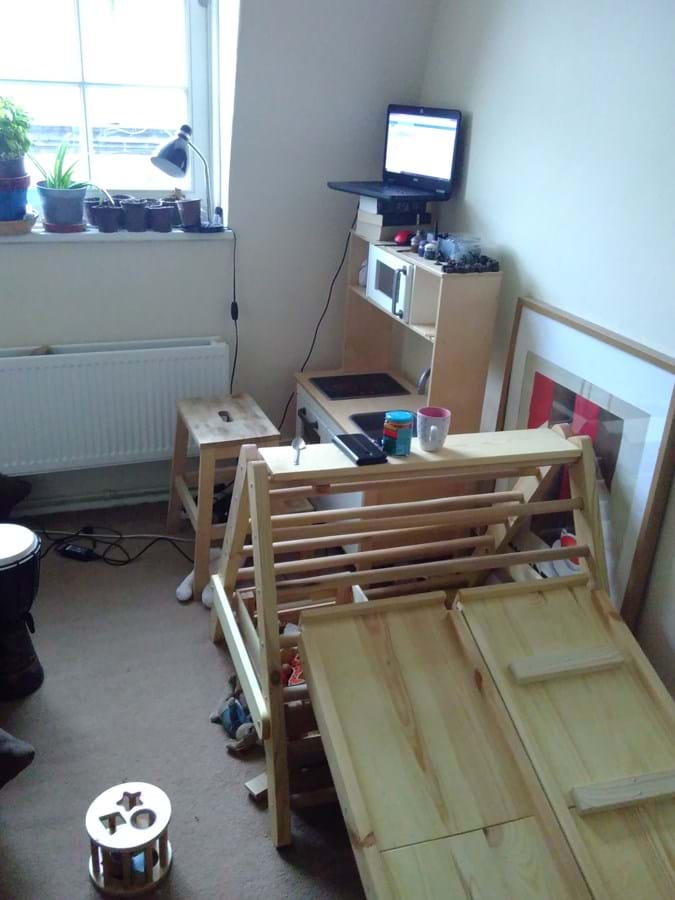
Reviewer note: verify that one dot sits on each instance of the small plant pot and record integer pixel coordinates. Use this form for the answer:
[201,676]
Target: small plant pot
[161,217]
[135,213]
[91,204]
[62,206]
[175,214]
[13,193]
[190,213]
[108,218]
[12,168]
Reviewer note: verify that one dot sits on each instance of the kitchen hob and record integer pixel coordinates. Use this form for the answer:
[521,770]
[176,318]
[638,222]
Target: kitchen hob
[359,386]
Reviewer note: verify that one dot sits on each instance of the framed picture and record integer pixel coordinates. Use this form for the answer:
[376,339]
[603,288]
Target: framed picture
[562,369]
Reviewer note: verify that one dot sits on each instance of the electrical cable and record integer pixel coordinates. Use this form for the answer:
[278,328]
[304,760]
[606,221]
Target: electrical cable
[112,539]
[322,316]
[234,309]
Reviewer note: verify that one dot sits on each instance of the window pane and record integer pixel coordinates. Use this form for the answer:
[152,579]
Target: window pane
[39,40]
[56,111]
[134,41]
[125,126]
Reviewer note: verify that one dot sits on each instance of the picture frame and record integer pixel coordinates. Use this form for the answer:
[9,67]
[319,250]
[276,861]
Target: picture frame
[561,369]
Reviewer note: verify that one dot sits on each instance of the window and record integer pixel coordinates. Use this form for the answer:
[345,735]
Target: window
[114,77]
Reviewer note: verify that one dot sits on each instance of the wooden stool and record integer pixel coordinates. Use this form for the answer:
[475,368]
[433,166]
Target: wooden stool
[219,426]
[129,839]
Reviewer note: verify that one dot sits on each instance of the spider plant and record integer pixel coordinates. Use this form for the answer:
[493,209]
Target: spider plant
[61,176]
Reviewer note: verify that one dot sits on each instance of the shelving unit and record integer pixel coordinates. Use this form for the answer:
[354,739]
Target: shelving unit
[450,331]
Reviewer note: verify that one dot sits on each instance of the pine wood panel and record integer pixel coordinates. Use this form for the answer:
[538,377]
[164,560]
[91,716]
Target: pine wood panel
[634,850]
[428,761]
[503,862]
[461,453]
[588,728]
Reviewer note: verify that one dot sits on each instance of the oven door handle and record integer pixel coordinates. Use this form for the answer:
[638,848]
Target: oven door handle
[397,287]
[302,415]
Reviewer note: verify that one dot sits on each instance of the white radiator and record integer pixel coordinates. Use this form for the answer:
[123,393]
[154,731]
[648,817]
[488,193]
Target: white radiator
[85,405]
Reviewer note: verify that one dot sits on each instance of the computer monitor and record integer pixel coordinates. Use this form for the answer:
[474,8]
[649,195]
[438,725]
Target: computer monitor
[421,148]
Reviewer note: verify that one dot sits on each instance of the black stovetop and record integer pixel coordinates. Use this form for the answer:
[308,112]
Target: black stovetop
[353,387]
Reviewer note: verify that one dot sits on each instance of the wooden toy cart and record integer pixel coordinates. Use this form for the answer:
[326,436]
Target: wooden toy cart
[483,742]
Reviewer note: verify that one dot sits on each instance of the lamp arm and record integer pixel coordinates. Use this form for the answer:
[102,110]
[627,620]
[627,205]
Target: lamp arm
[209,205]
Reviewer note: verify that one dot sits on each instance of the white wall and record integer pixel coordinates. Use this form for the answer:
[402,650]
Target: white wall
[570,172]
[313,82]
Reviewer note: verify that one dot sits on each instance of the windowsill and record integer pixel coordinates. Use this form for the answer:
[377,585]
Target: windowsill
[92,235]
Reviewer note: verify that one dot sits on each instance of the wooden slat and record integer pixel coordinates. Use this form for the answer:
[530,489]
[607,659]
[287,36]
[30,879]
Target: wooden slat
[604,795]
[450,567]
[386,510]
[384,556]
[306,751]
[465,453]
[529,669]
[587,521]
[300,719]
[241,661]
[460,518]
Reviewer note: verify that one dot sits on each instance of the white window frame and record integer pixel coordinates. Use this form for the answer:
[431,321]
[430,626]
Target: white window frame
[199,52]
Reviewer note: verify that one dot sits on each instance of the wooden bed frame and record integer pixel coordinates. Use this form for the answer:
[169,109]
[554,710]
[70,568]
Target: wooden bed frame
[323,557]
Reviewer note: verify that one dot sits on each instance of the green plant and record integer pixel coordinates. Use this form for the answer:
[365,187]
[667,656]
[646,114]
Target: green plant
[60,177]
[14,128]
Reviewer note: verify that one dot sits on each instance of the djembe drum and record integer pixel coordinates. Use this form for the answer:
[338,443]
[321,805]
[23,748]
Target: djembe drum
[20,670]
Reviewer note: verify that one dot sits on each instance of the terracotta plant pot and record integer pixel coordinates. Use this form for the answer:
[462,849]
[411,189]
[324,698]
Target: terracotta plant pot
[135,214]
[190,213]
[161,217]
[108,218]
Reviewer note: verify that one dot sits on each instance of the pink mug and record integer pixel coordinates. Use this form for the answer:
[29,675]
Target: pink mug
[433,424]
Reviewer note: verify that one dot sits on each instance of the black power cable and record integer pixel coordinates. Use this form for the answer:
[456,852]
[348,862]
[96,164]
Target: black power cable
[322,316]
[234,308]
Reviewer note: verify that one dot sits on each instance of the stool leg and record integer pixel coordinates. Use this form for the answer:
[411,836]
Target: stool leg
[207,471]
[177,468]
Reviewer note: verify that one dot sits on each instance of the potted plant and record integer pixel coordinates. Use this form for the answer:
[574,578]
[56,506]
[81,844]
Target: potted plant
[61,196]
[14,144]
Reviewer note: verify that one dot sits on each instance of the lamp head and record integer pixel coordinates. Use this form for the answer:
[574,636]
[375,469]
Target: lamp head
[173,157]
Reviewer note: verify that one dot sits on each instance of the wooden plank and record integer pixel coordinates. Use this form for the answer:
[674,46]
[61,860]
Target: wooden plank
[588,729]
[470,453]
[178,464]
[241,660]
[604,795]
[503,862]
[413,692]
[529,669]
[515,589]
[268,632]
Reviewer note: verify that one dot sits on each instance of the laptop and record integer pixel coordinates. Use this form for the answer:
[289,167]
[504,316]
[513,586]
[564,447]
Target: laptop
[420,156]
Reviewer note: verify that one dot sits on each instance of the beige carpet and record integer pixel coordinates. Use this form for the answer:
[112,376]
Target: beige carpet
[131,678]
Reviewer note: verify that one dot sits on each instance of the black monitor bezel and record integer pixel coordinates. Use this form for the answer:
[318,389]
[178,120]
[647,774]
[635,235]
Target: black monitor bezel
[441,186]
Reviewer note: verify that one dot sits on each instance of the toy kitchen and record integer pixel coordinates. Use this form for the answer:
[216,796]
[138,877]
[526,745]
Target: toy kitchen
[416,333]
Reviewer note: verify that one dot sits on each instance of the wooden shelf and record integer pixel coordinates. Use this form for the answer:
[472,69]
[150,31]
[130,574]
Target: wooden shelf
[428,332]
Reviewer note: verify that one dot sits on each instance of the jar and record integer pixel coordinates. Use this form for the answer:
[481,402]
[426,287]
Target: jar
[431,250]
[397,433]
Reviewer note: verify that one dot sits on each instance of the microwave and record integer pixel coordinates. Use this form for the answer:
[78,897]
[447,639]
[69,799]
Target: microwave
[390,282]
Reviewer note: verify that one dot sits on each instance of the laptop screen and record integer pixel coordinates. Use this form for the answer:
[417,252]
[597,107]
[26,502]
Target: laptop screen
[421,144]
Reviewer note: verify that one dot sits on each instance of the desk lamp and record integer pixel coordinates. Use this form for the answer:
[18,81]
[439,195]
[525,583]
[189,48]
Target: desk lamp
[173,158]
